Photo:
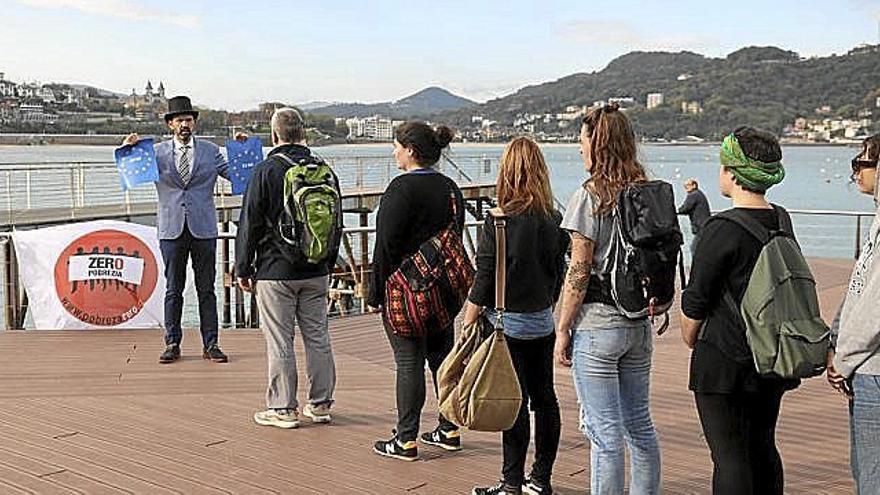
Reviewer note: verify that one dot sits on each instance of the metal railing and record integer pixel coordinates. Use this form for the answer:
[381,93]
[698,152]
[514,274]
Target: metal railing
[31,186]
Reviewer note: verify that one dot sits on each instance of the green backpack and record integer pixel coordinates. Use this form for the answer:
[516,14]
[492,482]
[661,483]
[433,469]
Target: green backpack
[312,218]
[784,329]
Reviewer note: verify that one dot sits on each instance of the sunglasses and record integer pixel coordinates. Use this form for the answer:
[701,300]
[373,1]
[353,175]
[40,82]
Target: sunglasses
[858,164]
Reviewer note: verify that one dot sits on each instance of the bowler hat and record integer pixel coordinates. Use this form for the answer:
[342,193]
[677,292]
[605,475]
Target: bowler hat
[180,105]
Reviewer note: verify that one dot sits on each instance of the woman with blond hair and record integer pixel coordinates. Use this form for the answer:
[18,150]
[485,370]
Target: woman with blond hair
[535,264]
[610,354]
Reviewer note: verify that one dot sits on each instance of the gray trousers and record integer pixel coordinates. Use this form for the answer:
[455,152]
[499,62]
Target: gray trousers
[283,304]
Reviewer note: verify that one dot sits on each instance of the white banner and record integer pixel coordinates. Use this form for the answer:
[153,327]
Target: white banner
[103,274]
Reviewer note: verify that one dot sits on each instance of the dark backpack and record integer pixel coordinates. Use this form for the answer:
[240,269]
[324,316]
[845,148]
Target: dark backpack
[645,249]
[311,222]
[780,308]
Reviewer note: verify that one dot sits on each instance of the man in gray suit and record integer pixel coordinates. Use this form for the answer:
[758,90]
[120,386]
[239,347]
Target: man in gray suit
[187,224]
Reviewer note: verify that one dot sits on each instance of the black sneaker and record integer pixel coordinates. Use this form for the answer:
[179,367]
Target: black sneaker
[171,354]
[532,486]
[500,488]
[448,440]
[215,354]
[405,451]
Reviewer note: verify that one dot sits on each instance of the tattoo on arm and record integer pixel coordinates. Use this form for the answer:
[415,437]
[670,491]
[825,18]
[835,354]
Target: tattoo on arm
[579,276]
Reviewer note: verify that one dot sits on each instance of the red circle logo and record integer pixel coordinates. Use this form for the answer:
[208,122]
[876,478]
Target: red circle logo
[104,278]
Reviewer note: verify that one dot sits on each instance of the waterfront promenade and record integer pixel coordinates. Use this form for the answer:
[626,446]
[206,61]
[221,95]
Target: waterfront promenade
[92,412]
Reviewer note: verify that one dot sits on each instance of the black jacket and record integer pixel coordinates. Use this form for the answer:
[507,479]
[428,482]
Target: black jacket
[696,207]
[260,252]
[414,207]
[536,248]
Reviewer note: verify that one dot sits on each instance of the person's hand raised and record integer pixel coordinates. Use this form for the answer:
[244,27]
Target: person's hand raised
[131,139]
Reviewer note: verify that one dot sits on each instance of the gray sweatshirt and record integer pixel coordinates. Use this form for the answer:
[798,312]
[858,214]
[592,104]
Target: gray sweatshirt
[858,342]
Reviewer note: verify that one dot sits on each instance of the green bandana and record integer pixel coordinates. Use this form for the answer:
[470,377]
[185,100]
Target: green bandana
[752,174]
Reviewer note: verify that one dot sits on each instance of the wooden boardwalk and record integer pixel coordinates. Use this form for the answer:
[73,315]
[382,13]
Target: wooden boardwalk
[92,412]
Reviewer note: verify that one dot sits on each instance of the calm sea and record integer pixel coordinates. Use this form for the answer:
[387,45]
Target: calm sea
[816,179]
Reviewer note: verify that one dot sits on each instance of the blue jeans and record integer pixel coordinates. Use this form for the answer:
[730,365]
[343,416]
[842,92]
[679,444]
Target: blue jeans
[865,433]
[175,253]
[612,369]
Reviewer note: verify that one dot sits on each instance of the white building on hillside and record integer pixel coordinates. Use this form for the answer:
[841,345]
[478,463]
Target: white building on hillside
[654,100]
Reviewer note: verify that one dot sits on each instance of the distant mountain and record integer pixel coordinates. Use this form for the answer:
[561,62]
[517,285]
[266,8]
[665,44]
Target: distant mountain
[426,102]
[314,105]
[761,86]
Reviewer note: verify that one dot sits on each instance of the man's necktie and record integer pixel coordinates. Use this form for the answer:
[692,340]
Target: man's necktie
[183,165]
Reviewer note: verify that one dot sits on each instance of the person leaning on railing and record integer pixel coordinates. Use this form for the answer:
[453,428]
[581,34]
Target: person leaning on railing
[854,364]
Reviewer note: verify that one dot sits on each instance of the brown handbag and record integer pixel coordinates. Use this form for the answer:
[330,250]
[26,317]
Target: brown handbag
[478,386]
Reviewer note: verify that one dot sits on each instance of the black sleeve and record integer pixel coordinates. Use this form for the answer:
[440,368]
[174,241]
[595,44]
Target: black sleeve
[251,222]
[483,291]
[714,255]
[460,214]
[390,220]
[688,206]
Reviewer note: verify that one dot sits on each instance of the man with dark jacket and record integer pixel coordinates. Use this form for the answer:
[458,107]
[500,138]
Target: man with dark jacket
[695,206]
[290,290]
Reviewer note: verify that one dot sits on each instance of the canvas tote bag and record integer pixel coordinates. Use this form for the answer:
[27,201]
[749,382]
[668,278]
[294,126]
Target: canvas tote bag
[478,386]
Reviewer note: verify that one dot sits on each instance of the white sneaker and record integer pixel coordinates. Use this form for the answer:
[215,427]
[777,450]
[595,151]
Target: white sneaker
[318,413]
[271,417]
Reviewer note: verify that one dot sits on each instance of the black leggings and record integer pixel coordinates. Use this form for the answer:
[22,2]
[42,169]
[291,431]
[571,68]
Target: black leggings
[533,360]
[740,429]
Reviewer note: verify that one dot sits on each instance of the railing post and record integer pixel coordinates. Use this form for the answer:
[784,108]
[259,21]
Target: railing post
[72,191]
[365,260]
[9,194]
[12,307]
[228,279]
[82,186]
[27,188]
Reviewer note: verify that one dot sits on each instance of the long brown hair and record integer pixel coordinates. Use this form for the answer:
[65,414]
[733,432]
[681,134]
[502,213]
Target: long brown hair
[612,153]
[523,182]
[871,148]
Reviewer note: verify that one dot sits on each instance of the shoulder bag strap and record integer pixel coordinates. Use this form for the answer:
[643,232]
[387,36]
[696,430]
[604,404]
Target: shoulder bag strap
[500,263]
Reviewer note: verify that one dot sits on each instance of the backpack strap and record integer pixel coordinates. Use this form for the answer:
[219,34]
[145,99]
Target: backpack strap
[784,220]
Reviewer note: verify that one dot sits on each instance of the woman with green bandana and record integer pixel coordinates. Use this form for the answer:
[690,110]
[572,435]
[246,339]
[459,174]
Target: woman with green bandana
[738,408]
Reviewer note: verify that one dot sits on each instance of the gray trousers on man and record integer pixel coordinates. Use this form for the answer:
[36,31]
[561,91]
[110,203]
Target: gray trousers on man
[283,304]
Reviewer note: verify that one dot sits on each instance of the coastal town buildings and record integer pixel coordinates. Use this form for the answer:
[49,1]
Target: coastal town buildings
[148,106]
[374,128]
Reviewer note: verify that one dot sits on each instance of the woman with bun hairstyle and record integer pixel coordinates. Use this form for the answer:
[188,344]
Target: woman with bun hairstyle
[415,206]
[610,354]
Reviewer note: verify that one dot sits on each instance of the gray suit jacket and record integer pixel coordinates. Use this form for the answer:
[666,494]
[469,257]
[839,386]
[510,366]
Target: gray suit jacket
[194,203]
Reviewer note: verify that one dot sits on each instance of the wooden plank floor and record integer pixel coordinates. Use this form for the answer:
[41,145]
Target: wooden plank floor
[93,412]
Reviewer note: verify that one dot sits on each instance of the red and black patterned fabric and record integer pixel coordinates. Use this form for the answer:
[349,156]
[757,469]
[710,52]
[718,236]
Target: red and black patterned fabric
[429,288]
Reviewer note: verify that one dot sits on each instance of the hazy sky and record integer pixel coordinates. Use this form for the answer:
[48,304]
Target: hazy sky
[234,55]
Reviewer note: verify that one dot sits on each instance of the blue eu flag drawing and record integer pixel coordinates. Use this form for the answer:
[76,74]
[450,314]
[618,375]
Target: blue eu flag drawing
[243,156]
[137,164]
